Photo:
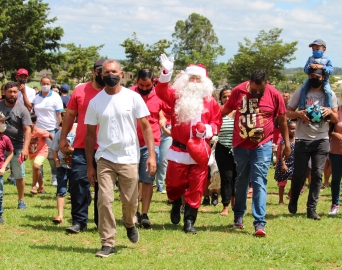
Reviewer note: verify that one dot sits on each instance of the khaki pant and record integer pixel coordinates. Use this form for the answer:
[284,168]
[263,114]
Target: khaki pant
[107,175]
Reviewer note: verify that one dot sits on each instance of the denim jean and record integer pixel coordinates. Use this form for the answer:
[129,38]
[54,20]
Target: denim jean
[165,144]
[79,189]
[63,175]
[304,150]
[1,194]
[143,174]
[252,165]
[336,167]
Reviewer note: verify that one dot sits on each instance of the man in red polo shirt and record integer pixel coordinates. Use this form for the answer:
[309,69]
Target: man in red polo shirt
[193,107]
[79,184]
[145,88]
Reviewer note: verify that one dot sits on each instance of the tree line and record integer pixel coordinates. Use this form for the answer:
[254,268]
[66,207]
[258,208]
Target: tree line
[32,43]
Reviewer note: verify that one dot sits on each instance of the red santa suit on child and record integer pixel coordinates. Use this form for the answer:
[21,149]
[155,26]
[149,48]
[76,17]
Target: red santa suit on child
[195,113]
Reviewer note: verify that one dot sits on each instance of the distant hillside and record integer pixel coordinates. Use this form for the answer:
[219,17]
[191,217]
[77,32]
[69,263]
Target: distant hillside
[289,71]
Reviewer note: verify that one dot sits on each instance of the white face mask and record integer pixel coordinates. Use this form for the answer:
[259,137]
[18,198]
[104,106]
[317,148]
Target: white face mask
[2,127]
[45,88]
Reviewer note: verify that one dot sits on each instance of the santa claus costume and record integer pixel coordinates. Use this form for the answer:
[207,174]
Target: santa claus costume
[195,114]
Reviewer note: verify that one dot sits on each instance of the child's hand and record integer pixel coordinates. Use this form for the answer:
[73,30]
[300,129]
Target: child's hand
[284,168]
[2,171]
[70,149]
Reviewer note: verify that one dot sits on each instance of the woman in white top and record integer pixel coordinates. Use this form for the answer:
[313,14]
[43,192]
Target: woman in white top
[48,106]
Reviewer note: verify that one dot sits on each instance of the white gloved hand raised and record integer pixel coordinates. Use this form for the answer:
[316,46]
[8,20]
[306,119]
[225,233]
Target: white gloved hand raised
[166,63]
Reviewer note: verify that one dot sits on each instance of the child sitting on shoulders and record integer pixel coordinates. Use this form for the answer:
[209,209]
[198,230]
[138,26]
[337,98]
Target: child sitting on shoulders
[284,169]
[317,61]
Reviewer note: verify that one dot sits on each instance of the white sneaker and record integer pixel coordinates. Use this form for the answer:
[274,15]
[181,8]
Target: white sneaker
[334,210]
[54,181]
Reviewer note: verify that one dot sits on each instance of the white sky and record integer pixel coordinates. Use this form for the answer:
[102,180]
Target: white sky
[110,22]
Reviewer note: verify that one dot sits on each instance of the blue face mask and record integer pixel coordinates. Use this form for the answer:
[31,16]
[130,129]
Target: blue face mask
[317,54]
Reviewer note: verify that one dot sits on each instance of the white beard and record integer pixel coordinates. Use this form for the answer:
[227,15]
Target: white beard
[189,103]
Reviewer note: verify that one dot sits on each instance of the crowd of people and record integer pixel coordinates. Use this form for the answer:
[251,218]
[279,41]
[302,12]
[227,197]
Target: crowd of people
[106,136]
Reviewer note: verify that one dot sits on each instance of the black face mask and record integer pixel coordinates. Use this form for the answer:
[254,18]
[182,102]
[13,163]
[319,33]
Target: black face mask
[22,81]
[256,95]
[111,80]
[99,80]
[144,92]
[315,82]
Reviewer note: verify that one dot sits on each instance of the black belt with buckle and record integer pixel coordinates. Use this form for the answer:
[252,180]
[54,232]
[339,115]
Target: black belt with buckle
[178,144]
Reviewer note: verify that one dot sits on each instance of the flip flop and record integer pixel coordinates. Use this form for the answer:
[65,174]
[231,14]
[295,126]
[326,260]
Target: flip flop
[41,191]
[57,220]
[34,191]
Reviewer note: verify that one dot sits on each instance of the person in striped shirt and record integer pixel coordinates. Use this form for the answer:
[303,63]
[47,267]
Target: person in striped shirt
[224,154]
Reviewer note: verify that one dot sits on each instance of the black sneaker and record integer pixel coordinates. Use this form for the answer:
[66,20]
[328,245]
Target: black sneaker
[105,252]
[214,199]
[238,222]
[76,228]
[312,214]
[292,207]
[259,230]
[133,234]
[1,220]
[206,201]
[145,222]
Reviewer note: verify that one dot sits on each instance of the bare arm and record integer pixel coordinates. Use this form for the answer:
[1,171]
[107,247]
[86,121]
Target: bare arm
[149,140]
[27,139]
[68,121]
[225,110]
[282,121]
[27,103]
[89,144]
[8,159]
[292,114]
[59,118]
[56,159]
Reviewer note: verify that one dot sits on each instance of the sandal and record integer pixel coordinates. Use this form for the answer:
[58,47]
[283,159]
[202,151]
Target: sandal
[34,191]
[41,191]
[57,220]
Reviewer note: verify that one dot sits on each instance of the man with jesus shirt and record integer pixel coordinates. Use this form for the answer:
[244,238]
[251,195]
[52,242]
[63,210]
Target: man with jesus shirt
[257,103]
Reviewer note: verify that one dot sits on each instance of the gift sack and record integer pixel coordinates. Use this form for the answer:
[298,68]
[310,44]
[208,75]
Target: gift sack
[199,150]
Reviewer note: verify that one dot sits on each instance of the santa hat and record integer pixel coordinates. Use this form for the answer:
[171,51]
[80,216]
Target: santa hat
[198,70]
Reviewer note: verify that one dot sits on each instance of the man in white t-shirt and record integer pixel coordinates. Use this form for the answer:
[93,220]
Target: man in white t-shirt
[116,111]
[21,77]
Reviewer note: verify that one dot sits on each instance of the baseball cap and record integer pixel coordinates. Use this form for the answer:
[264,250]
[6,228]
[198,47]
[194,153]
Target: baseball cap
[316,71]
[22,71]
[65,88]
[318,42]
[99,63]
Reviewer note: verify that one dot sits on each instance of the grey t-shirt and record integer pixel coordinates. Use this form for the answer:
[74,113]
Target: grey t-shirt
[311,131]
[19,117]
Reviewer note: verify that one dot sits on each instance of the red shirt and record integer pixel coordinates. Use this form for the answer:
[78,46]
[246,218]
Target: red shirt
[5,145]
[253,114]
[38,145]
[79,102]
[154,105]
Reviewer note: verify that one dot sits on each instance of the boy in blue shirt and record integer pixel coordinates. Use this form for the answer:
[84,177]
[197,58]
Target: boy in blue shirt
[317,61]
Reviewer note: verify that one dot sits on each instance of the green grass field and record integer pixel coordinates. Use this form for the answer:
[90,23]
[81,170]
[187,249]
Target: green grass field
[29,240]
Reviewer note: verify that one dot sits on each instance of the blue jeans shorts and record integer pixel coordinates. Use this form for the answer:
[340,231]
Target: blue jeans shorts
[143,174]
